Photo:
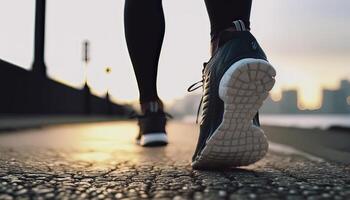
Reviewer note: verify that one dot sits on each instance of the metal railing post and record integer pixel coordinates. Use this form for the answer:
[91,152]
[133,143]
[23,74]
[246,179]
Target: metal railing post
[39,66]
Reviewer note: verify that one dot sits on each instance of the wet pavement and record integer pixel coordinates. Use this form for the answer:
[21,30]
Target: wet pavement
[100,161]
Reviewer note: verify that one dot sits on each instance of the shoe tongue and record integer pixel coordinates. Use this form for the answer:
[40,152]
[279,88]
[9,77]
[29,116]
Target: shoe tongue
[151,107]
[227,34]
[239,25]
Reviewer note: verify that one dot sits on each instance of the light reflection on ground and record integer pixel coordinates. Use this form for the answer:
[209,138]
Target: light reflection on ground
[105,142]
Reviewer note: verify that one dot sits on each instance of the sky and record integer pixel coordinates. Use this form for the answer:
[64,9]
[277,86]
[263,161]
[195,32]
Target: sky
[308,42]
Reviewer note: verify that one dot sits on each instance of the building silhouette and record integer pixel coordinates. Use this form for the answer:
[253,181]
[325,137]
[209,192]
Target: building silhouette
[289,101]
[287,105]
[336,101]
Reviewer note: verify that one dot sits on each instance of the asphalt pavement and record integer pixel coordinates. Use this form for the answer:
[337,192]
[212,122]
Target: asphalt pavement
[101,161]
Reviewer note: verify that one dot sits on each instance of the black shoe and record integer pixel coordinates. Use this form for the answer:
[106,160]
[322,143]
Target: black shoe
[152,126]
[236,81]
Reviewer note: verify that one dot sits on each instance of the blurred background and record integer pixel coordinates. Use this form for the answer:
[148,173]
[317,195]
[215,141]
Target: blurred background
[87,61]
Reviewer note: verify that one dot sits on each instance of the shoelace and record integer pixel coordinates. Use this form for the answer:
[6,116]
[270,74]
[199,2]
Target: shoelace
[195,86]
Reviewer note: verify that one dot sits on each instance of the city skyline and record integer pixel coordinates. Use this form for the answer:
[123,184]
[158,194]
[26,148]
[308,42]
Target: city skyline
[336,101]
[333,101]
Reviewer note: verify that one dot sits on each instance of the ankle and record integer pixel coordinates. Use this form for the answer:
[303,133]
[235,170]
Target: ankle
[225,35]
[151,106]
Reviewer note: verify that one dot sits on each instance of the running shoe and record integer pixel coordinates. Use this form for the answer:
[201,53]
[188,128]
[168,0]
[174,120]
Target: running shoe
[235,81]
[152,124]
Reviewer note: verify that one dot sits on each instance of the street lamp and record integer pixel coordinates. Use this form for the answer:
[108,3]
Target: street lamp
[86,89]
[108,71]
[39,66]
[86,58]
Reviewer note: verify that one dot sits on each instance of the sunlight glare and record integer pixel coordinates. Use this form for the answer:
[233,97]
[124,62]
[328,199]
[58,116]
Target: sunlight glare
[104,143]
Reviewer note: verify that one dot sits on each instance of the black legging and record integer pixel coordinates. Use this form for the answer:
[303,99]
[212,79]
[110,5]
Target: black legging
[144,30]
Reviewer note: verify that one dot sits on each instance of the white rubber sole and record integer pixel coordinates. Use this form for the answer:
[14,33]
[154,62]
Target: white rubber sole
[237,142]
[153,139]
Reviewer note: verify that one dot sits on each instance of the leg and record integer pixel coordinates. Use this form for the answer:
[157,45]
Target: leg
[223,12]
[235,84]
[144,30]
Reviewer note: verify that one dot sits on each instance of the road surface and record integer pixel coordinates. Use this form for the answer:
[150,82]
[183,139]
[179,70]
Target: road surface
[100,161]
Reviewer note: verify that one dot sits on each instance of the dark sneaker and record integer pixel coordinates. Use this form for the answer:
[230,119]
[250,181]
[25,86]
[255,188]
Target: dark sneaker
[152,125]
[236,81]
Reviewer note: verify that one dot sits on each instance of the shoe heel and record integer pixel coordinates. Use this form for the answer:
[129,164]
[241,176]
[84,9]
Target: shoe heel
[237,142]
[153,140]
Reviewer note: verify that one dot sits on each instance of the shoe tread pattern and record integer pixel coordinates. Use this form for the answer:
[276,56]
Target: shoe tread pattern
[237,142]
